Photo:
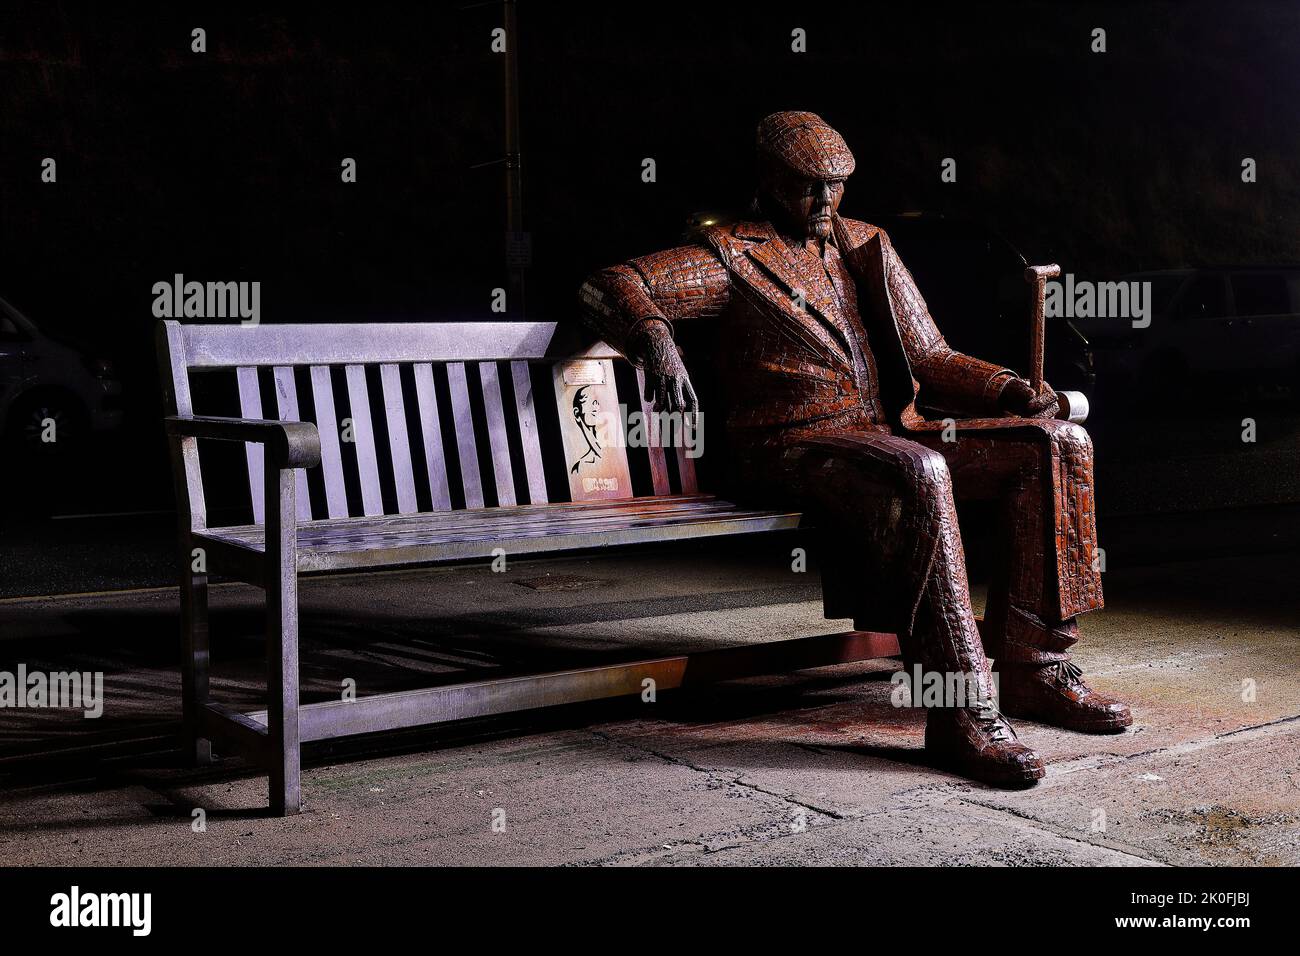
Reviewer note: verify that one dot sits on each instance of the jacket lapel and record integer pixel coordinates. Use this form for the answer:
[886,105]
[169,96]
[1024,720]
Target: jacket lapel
[866,263]
[820,314]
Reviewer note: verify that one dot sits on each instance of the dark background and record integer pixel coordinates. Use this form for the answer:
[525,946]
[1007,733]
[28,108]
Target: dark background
[225,165]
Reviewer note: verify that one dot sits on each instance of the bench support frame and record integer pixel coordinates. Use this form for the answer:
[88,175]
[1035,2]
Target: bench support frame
[279,449]
[273,738]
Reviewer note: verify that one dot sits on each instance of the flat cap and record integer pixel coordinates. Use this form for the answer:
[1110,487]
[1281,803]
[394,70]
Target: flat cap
[805,144]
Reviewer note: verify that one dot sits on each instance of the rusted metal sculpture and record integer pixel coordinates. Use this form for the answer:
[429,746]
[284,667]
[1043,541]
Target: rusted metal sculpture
[828,355]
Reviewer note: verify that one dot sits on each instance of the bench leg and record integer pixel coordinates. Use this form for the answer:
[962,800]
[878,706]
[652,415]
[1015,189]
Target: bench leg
[194,659]
[282,714]
[282,643]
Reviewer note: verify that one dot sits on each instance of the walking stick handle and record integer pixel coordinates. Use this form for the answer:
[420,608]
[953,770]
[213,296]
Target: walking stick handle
[1037,276]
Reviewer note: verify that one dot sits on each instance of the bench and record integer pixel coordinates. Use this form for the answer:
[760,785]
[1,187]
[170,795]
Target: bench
[487,451]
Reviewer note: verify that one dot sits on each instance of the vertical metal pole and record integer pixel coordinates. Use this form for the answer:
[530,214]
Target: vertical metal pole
[514,171]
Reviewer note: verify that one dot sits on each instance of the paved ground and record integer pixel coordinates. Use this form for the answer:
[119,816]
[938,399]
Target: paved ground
[811,768]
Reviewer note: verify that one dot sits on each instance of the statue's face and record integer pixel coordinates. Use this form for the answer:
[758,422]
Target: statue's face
[587,409]
[808,204]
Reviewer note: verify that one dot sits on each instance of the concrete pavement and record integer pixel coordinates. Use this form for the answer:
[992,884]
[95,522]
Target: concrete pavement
[810,768]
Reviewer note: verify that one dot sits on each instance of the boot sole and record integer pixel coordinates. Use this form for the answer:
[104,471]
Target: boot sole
[1113,726]
[1012,780]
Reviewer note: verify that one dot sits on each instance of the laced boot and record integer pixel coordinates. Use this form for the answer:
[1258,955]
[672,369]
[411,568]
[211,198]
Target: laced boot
[977,742]
[1055,693]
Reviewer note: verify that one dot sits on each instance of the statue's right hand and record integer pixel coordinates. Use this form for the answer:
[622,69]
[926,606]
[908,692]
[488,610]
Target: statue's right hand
[667,385]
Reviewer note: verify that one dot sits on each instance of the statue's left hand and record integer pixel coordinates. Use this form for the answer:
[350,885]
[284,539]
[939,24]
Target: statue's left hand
[667,385]
[1019,398]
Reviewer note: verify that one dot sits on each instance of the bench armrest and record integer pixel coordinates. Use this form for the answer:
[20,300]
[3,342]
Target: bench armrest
[289,444]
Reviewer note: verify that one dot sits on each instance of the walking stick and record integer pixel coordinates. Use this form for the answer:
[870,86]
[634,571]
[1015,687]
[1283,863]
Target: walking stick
[1037,276]
[1073,405]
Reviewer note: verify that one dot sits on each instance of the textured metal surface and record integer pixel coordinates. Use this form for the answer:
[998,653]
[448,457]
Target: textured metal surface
[830,358]
[1037,277]
[805,142]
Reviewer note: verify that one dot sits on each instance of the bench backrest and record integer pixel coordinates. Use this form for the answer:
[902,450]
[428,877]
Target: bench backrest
[413,393]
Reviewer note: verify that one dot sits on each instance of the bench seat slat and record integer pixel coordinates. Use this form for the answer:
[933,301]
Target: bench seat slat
[326,546]
[496,538]
[552,507]
[492,520]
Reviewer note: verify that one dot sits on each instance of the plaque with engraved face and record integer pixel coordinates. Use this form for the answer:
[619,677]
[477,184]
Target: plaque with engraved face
[592,428]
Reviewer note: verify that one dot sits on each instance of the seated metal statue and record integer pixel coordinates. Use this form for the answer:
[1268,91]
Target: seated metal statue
[828,348]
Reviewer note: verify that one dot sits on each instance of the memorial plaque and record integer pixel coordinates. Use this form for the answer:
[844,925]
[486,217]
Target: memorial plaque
[595,455]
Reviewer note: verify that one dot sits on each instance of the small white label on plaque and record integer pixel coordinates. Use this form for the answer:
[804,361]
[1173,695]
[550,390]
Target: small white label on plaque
[584,373]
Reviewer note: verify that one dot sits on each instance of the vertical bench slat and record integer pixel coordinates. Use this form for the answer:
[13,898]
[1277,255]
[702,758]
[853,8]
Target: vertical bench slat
[363,436]
[331,457]
[185,451]
[658,462]
[463,423]
[250,406]
[528,433]
[286,398]
[431,431]
[399,445]
[498,444]
[686,472]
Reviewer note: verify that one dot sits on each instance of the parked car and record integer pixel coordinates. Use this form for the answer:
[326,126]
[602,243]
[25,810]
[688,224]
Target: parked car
[973,280]
[1239,325]
[43,380]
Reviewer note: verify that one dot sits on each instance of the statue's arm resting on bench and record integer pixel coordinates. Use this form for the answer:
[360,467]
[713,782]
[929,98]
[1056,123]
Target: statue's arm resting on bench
[633,307]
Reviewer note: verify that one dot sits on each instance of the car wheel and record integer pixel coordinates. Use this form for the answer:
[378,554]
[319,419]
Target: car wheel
[48,424]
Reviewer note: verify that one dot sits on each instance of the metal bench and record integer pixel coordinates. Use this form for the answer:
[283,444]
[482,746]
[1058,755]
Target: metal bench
[464,431]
